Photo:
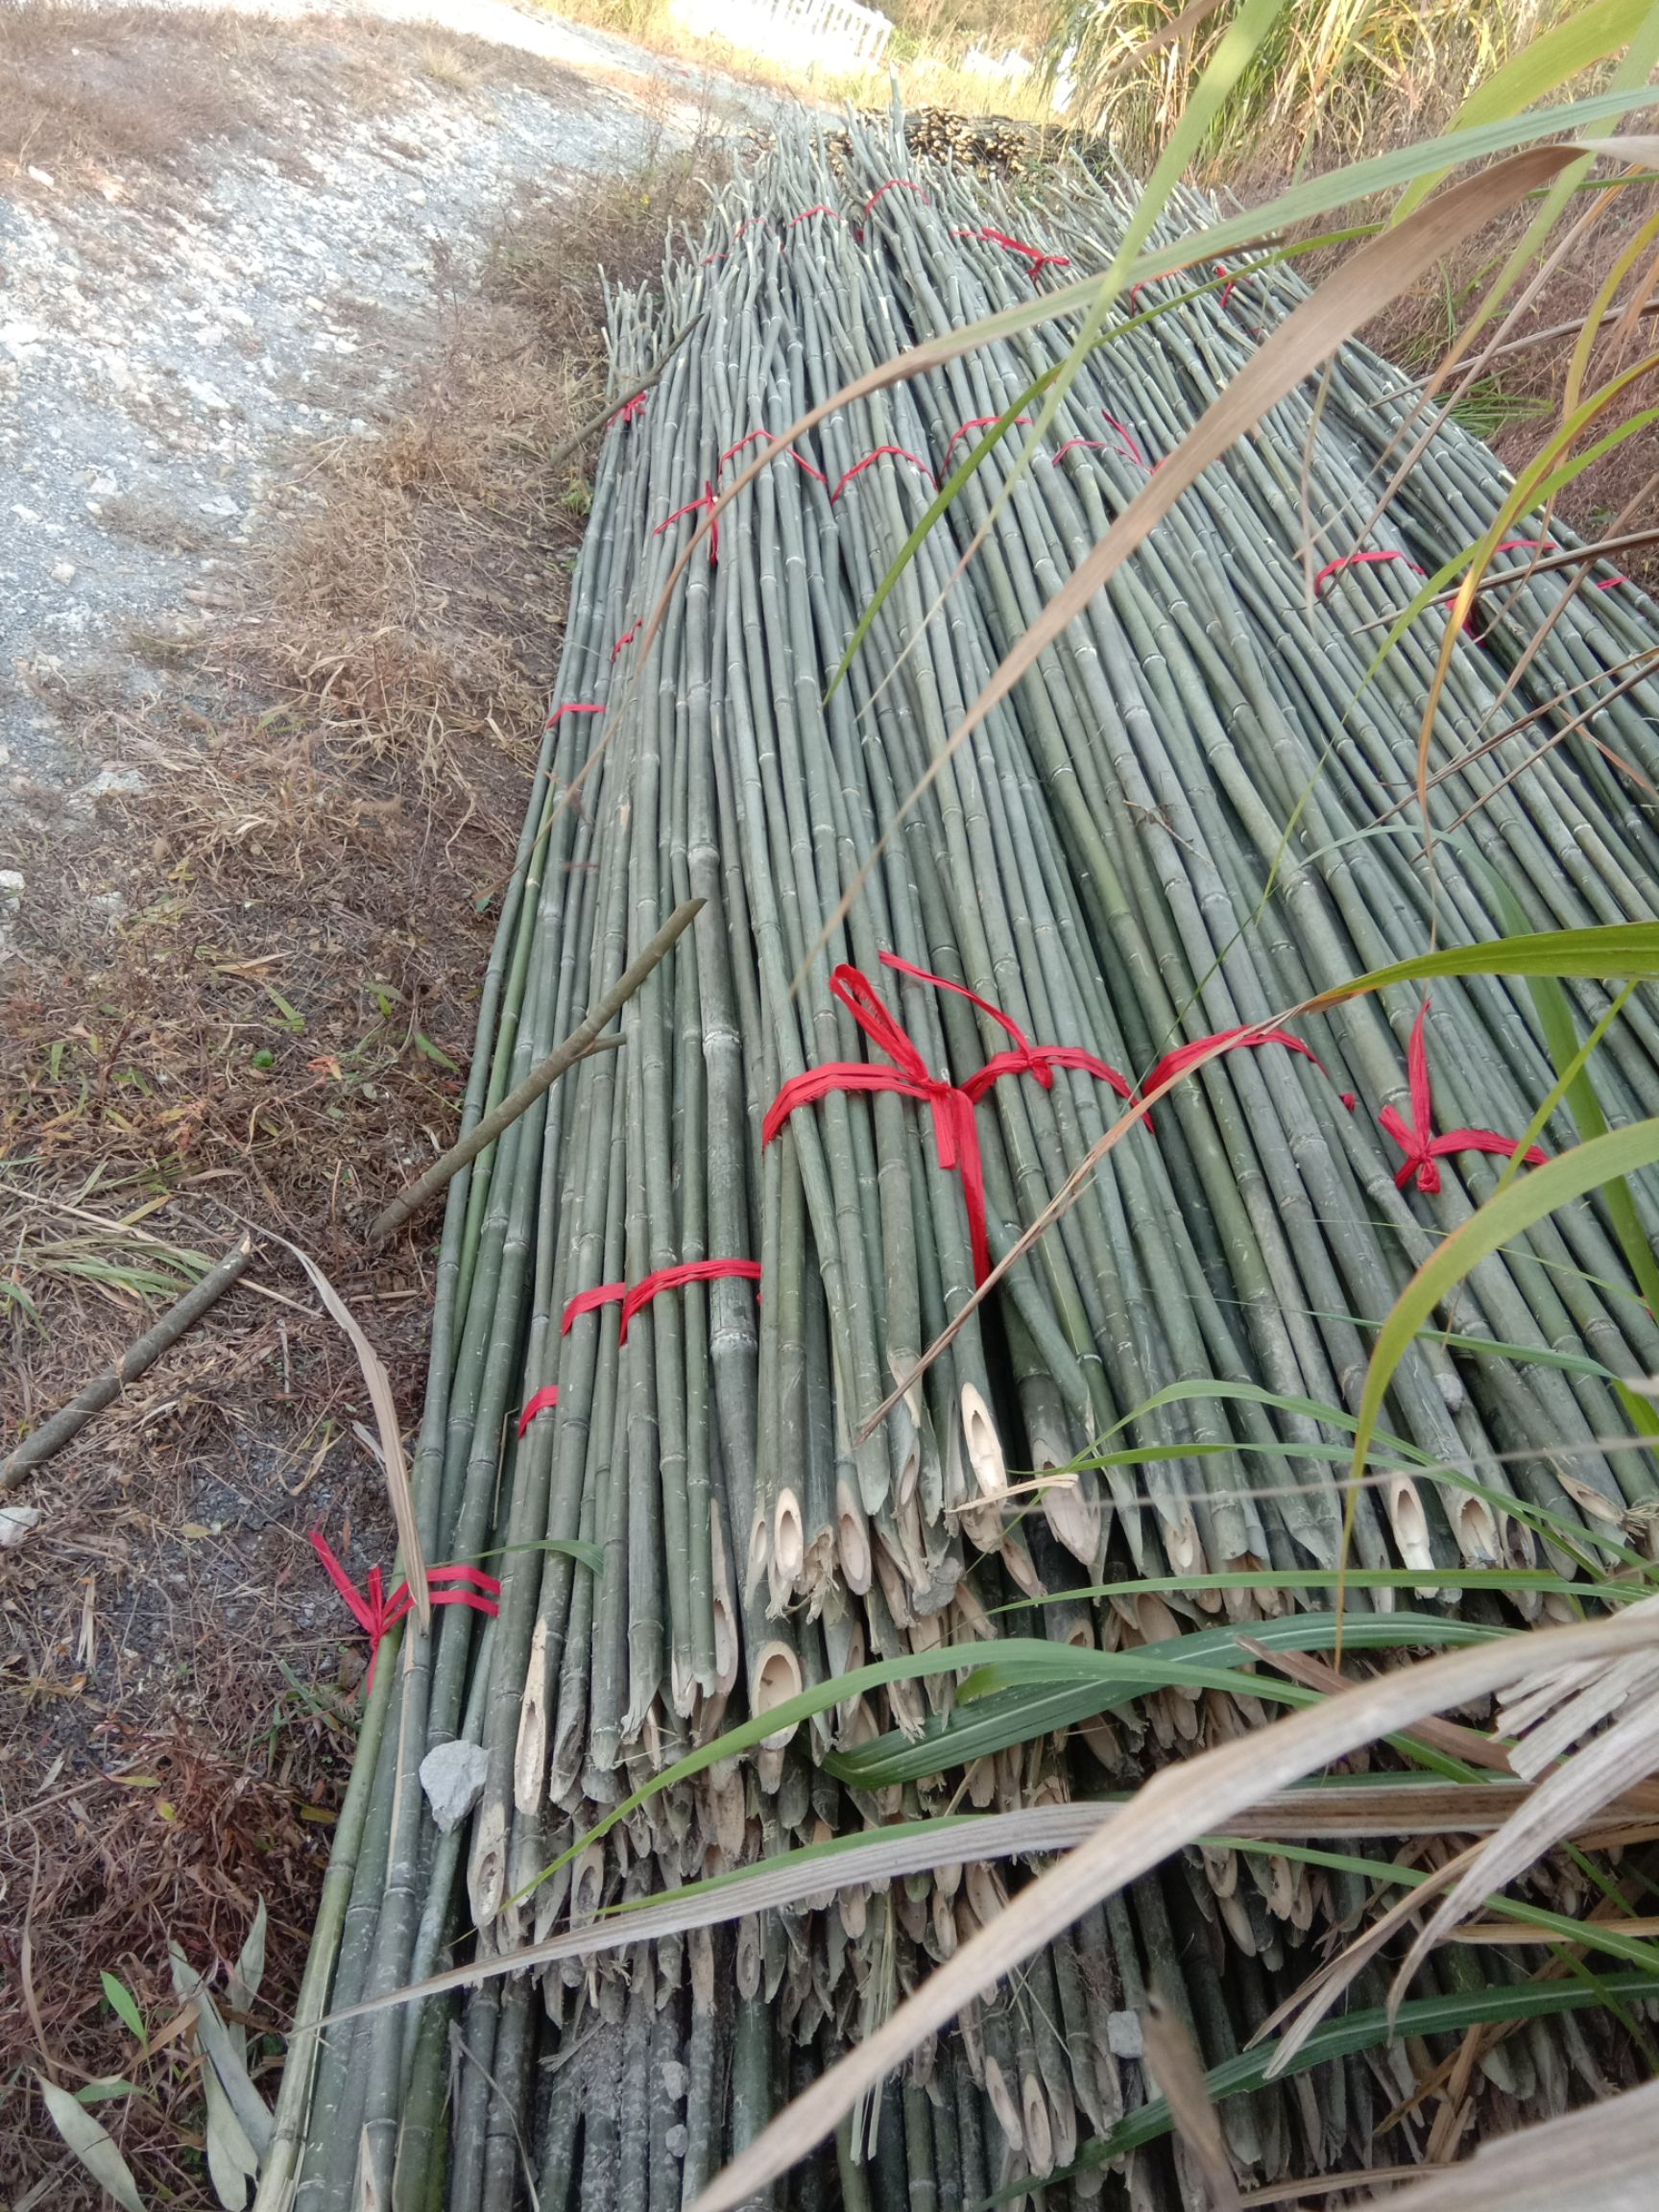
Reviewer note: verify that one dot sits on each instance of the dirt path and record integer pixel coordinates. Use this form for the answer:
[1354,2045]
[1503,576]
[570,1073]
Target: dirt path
[293,309]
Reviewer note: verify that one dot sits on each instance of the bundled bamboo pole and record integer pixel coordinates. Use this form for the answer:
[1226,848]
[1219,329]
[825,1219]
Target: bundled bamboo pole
[672,1289]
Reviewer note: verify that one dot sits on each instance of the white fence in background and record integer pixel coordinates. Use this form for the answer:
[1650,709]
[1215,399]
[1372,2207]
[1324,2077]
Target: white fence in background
[838,34]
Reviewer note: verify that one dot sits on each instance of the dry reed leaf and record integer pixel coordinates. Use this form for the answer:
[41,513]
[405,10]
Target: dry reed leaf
[1178,1805]
[1562,1709]
[392,1455]
[1599,2160]
[1179,2073]
[1370,1809]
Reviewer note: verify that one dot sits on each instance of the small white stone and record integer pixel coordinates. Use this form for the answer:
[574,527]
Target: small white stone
[103,484]
[24,514]
[452,1777]
[207,396]
[15,1523]
[675,2079]
[1123,2037]
[111,781]
[10,884]
[62,571]
[20,339]
[42,176]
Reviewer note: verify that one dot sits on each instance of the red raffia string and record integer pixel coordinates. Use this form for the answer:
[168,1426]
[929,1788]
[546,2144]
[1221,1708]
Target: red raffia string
[707,504]
[374,1613]
[1414,1137]
[834,215]
[1549,545]
[895,184]
[771,436]
[1131,447]
[582,706]
[1177,1062]
[1231,285]
[628,410]
[956,1130]
[1036,259]
[590,1301]
[901,453]
[1363,560]
[978,422]
[651,1287]
[546,1397]
[627,638]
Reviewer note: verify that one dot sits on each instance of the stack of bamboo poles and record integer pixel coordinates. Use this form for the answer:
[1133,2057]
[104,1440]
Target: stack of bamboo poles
[722,1246]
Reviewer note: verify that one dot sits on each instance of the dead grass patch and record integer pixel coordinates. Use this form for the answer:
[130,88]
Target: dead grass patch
[88,93]
[248,993]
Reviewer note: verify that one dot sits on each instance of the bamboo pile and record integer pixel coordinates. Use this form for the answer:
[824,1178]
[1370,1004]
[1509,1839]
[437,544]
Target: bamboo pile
[670,1297]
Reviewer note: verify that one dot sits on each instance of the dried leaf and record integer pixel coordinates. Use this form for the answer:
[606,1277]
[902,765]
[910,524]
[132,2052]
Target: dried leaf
[92,2145]
[1197,1798]
[1179,2071]
[1597,2160]
[392,1456]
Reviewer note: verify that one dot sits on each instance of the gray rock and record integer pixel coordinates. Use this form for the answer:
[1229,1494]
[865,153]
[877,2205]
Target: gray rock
[452,1777]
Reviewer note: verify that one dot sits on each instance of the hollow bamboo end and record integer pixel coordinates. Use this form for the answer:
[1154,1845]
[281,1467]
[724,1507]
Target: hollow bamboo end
[777,1680]
[1408,1521]
[852,1540]
[983,1444]
[1073,1517]
[788,1540]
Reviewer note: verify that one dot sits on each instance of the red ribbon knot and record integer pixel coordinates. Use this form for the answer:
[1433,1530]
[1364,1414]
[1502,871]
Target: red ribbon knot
[707,503]
[900,453]
[1036,259]
[628,410]
[651,1287]
[374,1613]
[1415,1138]
[980,422]
[955,1129]
[575,708]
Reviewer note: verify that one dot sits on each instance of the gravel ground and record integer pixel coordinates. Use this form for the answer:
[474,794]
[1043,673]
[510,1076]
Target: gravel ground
[165,355]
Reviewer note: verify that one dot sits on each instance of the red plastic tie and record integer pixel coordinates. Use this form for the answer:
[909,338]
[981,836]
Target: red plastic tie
[576,707]
[1124,444]
[708,503]
[650,1286]
[374,1613]
[1131,446]
[1036,259]
[771,436]
[590,1301]
[1177,1062]
[895,184]
[628,410]
[901,452]
[834,215]
[1421,1149]
[978,422]
[546,1396]
[1231,285]
[627,638]
[1549,545]
[1363,561]
[956,1130]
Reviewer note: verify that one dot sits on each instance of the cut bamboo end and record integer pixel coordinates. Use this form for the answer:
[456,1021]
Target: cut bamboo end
[1408,1521]
[777,1680]
[1073,1517]
[1475,1526]
[1003,2103]
[983,1445]
[1037,2128]
[789,1540]
[487,1863]
[530,1750]
[757,1565]
[852,1540]
[1181,1544]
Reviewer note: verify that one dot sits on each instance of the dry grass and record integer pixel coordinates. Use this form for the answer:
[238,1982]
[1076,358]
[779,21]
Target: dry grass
[90,93]
[248,993]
